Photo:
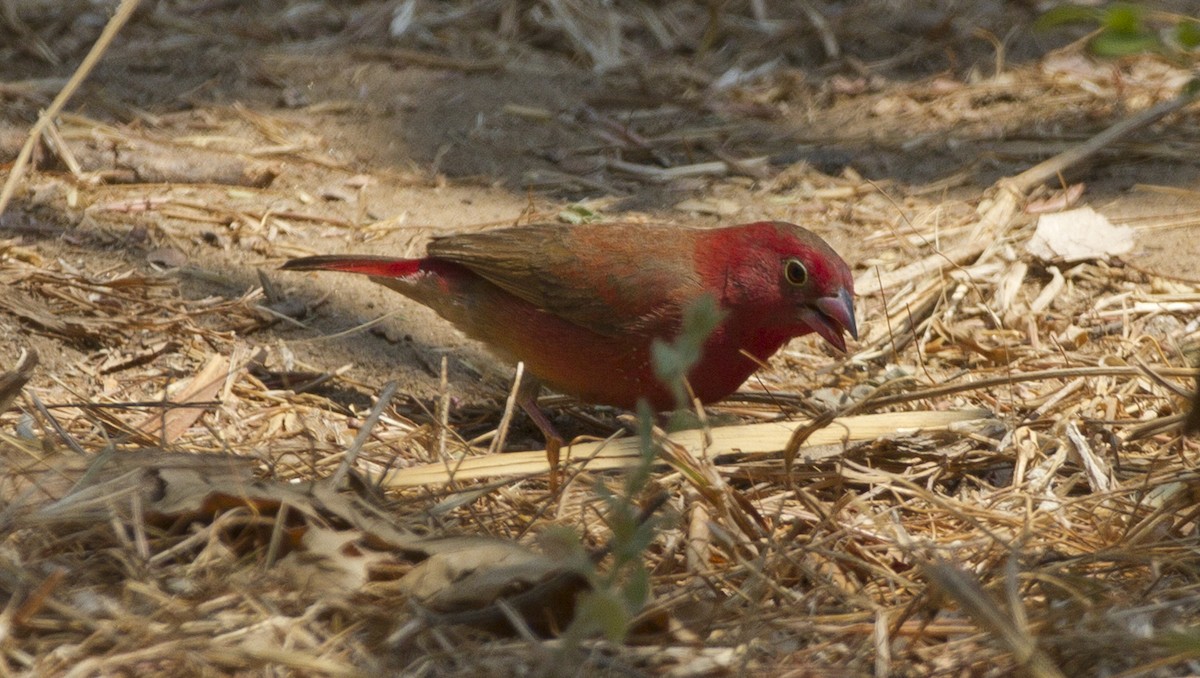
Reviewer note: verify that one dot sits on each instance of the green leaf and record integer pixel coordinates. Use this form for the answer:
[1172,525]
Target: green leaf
[1114,44]
[631,543]
[604,612]
[669,362]
[1124,18]
[1185,641]
[578,214]
[1187,33]
[673,361]
[1066,14]
[683,420]
[562,544]
[637,590]
[606,494]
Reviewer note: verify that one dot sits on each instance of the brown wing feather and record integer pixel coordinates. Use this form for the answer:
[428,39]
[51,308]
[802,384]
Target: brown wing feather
[609,278]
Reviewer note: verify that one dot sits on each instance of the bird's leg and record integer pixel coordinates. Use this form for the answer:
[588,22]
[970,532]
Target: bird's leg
[527,393]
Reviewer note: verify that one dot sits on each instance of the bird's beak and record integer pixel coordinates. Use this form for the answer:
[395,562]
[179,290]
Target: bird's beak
[833,316]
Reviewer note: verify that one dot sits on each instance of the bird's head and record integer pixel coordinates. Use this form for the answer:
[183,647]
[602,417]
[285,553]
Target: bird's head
[790,277]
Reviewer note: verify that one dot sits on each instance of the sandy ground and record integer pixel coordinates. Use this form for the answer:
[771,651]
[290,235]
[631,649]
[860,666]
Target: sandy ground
[439,150]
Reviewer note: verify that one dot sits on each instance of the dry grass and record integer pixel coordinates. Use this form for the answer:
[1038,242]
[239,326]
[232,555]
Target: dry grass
[173,504]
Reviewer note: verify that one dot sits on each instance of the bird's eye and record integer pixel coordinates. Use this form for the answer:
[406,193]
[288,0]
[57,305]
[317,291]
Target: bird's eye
[795,272]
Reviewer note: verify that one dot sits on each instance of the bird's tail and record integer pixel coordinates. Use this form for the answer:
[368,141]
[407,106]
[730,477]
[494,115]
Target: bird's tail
[381,267]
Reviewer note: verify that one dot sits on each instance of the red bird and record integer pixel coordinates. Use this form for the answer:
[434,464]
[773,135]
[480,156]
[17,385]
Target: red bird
[582,305]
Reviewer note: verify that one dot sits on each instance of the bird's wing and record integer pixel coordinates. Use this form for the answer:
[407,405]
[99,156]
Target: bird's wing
[609,278]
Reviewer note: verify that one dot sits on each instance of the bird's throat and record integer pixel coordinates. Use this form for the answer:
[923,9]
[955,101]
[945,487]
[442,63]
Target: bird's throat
[730,357]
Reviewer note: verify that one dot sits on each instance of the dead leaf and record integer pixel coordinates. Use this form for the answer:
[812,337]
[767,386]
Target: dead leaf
[332,542]
[331,561]
[1077,235]
[12,382]
[167,425]
[467,577]
[1057,201]
[167,257]
[466,572]
[717,206]
[48,320]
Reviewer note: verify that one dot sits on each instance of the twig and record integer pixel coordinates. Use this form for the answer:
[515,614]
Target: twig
[406,57]
[385,397]
[659,174]
[58,428]
[443,408]
[820,24]
[987,613]
[12,382]
[1048,169]
[1191,424]
[1041,375]
[114,25]
[1013,190]
[509,405]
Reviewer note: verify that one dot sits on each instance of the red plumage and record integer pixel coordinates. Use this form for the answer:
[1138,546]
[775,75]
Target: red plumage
[582,305]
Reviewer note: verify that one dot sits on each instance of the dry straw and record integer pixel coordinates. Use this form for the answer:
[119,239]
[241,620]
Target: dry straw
[1006,488]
